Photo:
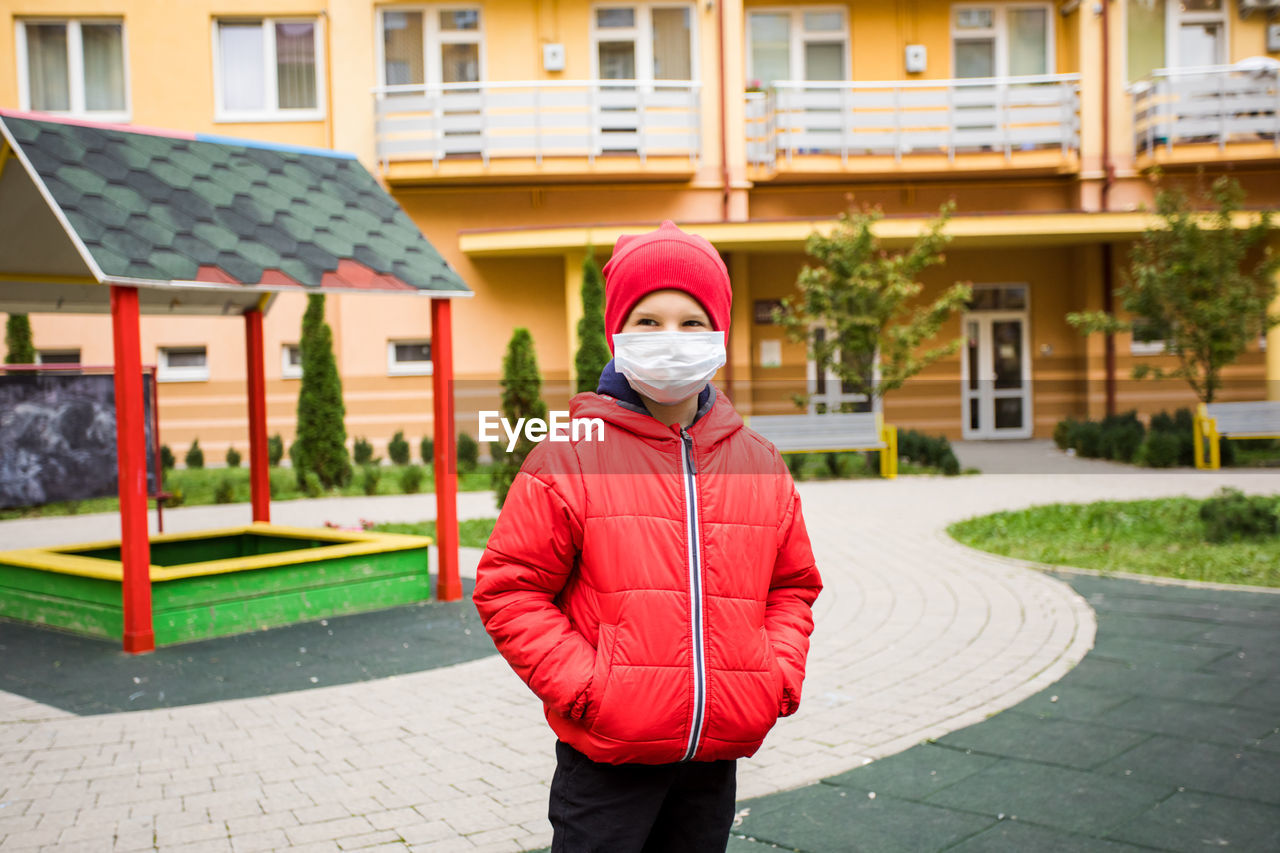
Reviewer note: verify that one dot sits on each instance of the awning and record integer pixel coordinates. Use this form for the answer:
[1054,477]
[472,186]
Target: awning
[199,224]
[981,230]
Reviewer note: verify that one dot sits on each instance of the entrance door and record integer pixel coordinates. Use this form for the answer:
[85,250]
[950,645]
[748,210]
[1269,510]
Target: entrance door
[997,376]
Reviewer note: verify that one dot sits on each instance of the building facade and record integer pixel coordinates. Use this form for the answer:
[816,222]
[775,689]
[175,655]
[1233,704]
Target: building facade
[521,136]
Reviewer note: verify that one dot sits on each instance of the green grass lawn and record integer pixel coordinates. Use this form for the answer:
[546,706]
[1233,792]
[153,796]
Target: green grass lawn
[1162,537]
[199,487]
[472,533]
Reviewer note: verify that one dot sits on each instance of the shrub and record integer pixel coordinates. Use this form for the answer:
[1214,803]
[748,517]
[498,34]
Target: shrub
[398,449]
[1064,434]
[224,492]
[427,449]
[233,458]
[195,456]
[369,480]
[361,451]
[279,483]
[411,479]
[275,450]
[322,432]
[177,497]
[167,460]
[593,345]
[1159,450]
[311,484]
[1089,439]
[17,339]
[521,398]
[795,464]
[1230,516]
[928,450]
[468,453]
[1121,437]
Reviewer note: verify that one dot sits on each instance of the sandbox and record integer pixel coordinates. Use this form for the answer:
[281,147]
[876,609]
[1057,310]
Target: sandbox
[213,583]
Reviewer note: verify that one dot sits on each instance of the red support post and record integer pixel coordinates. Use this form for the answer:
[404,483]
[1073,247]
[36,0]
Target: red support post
[259,479]
[131,460]
[448,583]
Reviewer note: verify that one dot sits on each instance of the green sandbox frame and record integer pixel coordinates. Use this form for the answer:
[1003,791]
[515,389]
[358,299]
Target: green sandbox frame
[213,583]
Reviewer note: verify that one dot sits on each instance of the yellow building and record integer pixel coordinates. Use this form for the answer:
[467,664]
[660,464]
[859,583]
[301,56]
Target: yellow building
[522,135]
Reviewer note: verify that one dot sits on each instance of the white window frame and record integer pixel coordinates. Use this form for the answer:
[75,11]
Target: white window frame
[272,112]
[1174,18]
[432,38]
[1000,33]
[641,35]
[165,373]
[831,379]
[408,368]
[1137,347]
[799,37]
[289,370]
[41,354]
[75,67]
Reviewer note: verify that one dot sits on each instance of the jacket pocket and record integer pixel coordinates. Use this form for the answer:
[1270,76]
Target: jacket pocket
[605,642]
[775,670]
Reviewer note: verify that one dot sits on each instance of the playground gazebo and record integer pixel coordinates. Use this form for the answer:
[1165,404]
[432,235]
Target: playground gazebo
[97,218]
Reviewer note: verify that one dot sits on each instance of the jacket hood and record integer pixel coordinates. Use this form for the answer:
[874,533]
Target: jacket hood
[617,403]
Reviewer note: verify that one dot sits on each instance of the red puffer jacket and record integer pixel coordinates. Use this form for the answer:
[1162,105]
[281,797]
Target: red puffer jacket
[654,588]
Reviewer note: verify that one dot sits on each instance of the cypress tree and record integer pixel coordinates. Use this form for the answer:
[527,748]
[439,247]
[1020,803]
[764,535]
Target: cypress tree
[321,446]
[521,398]
[17,338]
[593,344]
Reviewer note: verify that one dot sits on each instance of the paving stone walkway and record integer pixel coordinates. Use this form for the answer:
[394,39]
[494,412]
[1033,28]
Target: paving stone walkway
[916,637]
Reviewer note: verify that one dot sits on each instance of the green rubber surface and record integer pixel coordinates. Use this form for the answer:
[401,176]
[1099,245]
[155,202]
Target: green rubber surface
[1165,737]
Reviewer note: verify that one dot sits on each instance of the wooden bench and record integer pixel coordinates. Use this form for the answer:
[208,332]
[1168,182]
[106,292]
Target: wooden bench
[832,433]
[1233,421]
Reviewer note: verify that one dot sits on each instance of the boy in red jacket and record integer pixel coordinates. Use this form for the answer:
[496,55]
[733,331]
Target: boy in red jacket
[654,586]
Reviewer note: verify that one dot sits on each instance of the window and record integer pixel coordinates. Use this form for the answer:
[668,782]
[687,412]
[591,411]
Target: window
[1148,337]
[73,66]
[1185,34]
[58,356]
[267,70]
[182,364]
[799,44]
[409,358]
[1001,41]
[291,361]
[829,393]
[643,43]
[1199,33]
[430,46]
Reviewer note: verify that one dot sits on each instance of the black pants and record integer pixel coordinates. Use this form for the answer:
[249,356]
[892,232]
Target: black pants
[640,808]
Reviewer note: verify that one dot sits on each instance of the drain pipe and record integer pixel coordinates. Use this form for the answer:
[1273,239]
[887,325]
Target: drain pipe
[724,117]
[1108,176]
[724,169]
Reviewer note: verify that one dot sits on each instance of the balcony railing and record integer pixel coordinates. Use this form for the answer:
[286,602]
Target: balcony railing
[536,120]
[1217,104]
[904,117]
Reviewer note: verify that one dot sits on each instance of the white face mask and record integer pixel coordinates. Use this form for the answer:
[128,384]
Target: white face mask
[668,367]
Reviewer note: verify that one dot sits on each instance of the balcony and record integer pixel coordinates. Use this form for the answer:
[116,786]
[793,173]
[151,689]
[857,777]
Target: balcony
[1194,115]
[626,128]
[914,126]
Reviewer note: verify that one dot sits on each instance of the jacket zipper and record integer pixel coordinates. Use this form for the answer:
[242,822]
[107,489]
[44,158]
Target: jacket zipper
[695,595]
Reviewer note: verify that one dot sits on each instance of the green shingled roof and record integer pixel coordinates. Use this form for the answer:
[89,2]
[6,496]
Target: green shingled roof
[171,209]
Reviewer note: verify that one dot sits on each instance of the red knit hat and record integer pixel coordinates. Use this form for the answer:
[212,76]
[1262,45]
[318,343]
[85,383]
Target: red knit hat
[667,258]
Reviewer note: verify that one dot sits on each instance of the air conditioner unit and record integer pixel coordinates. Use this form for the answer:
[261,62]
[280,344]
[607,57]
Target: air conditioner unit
[1249,6]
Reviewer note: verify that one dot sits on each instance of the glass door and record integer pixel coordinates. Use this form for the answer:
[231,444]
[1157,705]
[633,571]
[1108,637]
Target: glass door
[996,376]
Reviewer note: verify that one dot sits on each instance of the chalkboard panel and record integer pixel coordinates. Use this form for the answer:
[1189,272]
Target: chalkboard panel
[58,436]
